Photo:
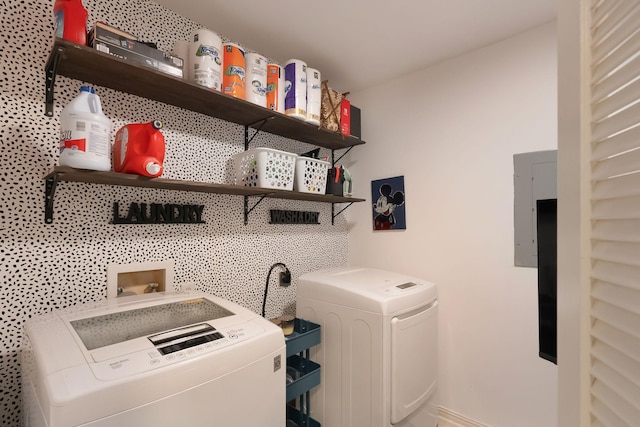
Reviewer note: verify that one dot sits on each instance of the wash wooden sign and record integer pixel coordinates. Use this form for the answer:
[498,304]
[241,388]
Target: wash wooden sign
[156,213]
[294,217]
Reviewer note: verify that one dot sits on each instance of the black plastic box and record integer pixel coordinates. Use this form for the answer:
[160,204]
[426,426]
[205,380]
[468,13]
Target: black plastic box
[114,42]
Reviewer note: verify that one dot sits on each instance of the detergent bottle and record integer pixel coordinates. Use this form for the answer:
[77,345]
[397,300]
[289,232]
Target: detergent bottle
[139,149]
[71,20]
[85,133]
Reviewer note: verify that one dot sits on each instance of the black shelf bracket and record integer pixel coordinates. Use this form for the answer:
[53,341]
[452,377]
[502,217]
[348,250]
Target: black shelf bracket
[50,192]
[248,140]
[334,160]
[50,80]
[248,210]
[335,215]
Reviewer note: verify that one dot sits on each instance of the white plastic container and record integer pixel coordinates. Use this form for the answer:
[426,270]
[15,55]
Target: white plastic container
[266,168]
[310,175]
[85,133]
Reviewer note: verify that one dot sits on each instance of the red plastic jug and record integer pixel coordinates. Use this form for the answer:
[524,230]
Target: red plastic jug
[139,149]
[71,20]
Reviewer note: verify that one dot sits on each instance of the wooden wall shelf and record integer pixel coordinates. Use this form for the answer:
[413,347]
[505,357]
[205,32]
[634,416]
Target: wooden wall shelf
[88,65]
[67,174]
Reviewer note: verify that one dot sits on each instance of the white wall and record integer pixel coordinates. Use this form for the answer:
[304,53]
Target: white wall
[49,266]
[452,131]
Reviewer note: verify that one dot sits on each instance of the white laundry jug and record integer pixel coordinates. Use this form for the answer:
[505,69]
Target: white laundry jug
[85,133]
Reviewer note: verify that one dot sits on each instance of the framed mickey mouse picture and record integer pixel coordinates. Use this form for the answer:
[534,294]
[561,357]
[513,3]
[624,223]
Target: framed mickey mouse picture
[389,204]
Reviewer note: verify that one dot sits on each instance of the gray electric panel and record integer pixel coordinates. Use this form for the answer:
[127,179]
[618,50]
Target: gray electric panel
[535,178]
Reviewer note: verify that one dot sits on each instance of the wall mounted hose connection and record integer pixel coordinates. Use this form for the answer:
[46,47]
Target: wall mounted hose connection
[285,280]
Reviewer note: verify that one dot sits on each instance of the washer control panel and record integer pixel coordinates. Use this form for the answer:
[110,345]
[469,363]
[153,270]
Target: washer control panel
[406,285]
[174,346]
[402,288]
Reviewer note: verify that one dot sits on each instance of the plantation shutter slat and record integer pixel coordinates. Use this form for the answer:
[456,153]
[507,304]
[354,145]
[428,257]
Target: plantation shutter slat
[615,213]
[617,165]
[602,412]
[624,53]
[616,144]
[615,311]
[625,75]
[619,230]
[618,341]
[610,35]
[622,253]
[605,69]
[622,408]
[617,274]
[617,101]
[617,208]
[617,123]
[628,185]
[616,361]
[603,11]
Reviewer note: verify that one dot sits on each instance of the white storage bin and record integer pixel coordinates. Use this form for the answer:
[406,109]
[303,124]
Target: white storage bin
[311,175]
[265,167]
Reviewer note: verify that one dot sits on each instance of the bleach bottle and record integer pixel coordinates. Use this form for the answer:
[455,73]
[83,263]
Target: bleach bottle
[139,149]
[85,133]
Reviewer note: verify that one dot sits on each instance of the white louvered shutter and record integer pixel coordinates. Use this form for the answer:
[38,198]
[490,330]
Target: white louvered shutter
[615,213]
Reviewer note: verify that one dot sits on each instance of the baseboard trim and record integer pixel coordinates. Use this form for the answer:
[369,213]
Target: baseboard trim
[448,418]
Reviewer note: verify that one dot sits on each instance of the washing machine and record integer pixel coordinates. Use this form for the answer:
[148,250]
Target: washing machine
[157,359]
[378,350]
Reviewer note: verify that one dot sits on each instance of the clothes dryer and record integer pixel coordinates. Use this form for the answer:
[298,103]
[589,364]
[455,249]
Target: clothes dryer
[378,350]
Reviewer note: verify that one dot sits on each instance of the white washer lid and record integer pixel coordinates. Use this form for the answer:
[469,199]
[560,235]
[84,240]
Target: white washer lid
[368,289]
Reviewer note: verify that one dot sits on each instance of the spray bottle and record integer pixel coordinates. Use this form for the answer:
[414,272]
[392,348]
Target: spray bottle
[139,149]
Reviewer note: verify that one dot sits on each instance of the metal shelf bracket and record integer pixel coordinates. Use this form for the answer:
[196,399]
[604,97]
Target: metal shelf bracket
[50,80]
[248,140]
[334,160]
[335,215]
[248,210]
[50,192]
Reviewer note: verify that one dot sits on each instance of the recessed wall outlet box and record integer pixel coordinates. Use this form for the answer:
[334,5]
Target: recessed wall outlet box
[140,278]
[285,278]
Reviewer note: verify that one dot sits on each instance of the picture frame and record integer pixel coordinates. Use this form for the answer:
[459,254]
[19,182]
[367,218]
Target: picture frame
[389,204]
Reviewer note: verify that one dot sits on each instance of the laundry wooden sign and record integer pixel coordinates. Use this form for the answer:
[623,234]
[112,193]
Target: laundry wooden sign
[156,213]
[294,217]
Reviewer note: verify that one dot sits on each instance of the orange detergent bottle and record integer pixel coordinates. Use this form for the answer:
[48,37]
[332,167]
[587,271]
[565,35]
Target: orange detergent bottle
[139,149]
[71,20]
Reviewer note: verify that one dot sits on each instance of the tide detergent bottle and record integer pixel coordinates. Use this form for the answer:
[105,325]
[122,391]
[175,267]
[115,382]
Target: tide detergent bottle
[71,20]
[139,149]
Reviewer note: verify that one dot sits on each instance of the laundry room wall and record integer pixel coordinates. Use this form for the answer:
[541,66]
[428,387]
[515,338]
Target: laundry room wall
[451,130]
[45,267]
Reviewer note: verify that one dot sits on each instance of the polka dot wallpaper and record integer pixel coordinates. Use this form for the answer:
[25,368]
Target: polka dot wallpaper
[46,267]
